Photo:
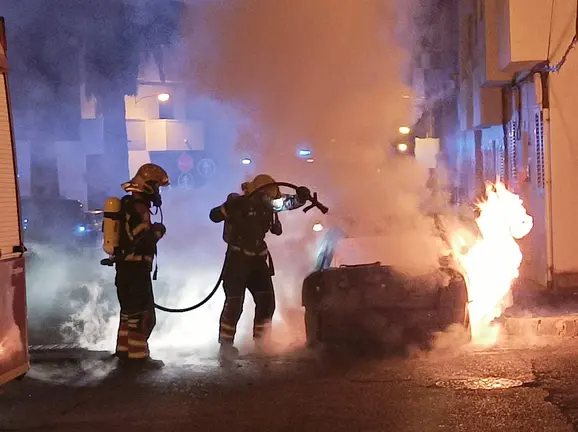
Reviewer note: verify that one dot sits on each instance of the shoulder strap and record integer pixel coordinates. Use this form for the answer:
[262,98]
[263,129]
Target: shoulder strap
[127,204]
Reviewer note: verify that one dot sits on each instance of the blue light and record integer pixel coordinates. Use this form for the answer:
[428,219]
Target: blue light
[25,220]
[305,152]
[81,228]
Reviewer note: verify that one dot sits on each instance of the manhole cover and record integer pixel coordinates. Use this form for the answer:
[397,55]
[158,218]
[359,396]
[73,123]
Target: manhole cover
[480,384]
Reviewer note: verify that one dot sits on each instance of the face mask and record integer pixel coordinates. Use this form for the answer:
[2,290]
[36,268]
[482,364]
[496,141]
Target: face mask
[155,197]
[277,203]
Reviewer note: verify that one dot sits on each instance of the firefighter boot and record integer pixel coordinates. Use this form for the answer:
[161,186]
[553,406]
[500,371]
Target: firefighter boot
[262,338]
[227,354]
[146,364]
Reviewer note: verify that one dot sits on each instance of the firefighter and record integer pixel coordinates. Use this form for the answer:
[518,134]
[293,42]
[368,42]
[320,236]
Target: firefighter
[247,219]
[138,243]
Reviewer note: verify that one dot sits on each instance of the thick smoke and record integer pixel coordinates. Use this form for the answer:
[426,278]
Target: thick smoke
[328,77]
[307,74]
[271,77]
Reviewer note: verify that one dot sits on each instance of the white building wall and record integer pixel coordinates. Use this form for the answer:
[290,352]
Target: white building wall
[146,132]
[564,145]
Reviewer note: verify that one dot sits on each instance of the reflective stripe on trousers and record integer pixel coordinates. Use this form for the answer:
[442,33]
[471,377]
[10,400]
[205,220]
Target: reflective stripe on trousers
[122,334]
[226,332]
[261,329]
[138,346]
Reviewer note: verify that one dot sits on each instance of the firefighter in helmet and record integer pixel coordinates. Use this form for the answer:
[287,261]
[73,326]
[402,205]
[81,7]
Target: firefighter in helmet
[138,244]
[247,219]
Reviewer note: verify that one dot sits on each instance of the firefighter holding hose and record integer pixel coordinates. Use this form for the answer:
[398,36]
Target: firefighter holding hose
[131,240]
[247,219]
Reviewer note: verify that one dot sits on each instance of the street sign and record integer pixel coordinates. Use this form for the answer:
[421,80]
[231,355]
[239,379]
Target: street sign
[206,167]
[185,163]
[186,181]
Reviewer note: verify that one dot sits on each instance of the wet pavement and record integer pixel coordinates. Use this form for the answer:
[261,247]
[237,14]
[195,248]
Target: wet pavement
[513,388]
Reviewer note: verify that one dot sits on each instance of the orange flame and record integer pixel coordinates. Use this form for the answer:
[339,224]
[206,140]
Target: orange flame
[492,263]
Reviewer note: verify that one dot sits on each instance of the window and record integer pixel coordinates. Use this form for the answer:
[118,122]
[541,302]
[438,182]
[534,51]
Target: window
[166,110]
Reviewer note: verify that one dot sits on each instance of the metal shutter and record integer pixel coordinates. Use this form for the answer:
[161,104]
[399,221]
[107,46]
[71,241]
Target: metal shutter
[500,160]
[513,155]
[489,159]
[539,131]
[9,224]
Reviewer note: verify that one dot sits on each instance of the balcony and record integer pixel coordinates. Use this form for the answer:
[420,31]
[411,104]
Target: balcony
[491,73]
[147,135]
[173,135]
[523,32]
[487,107]
[479,107]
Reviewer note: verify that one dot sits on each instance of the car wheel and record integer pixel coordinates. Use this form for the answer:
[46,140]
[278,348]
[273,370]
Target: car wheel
[312,328]
[453,304]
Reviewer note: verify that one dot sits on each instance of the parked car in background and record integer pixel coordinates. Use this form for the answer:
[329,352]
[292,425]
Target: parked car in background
[58,222]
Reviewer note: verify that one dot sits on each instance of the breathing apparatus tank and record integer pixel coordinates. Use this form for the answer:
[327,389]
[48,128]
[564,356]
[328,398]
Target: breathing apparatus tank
[111,225]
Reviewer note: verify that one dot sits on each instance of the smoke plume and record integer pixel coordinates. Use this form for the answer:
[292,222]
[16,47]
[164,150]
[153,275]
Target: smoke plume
[325,76]
[270,77]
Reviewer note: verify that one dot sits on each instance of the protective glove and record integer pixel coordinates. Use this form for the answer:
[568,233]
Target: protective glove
[303,194]
[276,227]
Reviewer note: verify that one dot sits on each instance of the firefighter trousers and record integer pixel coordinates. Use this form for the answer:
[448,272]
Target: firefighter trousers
[254,274]
[137,311]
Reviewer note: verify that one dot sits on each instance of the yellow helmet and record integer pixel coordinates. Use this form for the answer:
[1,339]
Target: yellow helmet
[147,179]
[259,181]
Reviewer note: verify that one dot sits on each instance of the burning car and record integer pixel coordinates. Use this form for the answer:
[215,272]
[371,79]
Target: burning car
[352,300]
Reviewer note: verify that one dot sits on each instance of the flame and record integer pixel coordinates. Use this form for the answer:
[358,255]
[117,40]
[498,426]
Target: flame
[492,263]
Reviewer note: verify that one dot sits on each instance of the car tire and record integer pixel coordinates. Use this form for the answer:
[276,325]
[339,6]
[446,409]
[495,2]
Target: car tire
[453,305]
[312,328]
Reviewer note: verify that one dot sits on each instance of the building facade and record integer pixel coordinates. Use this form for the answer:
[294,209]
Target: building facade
[158,131]
[434,71]
[517,99]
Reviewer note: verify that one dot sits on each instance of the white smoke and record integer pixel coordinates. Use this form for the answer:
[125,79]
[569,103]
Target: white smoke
[303,74]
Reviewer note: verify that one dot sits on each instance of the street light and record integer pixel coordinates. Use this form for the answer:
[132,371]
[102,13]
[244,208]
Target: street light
[304,152]
[317,227]
[246,161]
[163,97]
[402,147]
[404,130]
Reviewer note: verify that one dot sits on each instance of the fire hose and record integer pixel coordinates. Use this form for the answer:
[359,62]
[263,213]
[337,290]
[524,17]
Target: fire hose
[314,203]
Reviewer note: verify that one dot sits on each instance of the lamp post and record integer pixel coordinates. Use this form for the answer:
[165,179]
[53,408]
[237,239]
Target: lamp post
[161,97]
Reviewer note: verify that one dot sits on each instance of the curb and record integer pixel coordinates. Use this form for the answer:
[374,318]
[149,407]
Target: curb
[64,352]
[558,326]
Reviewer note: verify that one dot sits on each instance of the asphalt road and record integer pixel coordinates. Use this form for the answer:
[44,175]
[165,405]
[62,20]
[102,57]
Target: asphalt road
[451,391]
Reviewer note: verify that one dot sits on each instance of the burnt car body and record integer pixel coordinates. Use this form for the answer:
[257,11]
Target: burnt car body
[374,304]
